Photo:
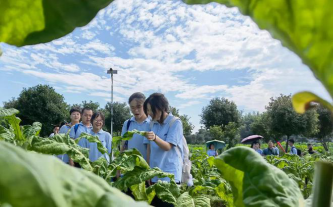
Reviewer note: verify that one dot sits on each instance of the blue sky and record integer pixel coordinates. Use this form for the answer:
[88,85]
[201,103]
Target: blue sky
[190,53]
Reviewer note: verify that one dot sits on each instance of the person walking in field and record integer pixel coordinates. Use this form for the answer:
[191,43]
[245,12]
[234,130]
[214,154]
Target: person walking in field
[84,126]
[139,121]
[271,150]
[165,141]
[97,122]
[75,117]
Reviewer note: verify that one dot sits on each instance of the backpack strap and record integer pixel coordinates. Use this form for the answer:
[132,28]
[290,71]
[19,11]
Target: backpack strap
[128,125]
[76,129]
[125,146]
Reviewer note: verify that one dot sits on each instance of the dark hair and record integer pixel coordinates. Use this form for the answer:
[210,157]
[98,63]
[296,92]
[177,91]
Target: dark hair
[137,95]
[86,109]
[62,123]
[211,145]
[74,110]
[292,141]
[158,102]
[97,114]
[255,142]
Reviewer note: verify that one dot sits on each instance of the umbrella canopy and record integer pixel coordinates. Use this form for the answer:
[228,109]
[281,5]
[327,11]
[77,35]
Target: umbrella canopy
[250,139]
[217,143]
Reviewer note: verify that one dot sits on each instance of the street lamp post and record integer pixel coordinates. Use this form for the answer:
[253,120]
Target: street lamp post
[112,72]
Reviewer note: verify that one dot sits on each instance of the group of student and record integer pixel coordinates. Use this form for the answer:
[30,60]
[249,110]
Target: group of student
[273,150]
[162,145]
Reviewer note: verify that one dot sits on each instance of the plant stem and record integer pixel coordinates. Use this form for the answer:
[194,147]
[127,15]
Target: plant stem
[323,184]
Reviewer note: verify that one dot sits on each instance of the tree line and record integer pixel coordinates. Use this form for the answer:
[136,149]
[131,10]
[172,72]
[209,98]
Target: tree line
[223,121]
[43,104]
[221,118]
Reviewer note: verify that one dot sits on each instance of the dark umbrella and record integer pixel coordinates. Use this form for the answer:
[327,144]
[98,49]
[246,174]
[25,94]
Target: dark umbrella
[217,143]
[250,139]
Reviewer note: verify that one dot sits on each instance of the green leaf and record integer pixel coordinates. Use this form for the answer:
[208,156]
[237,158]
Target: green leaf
[301,101]
[305,27]
[29,131]
[62,144]
[93,139]
[255,182]
[27,22]
[129,134]
[15,124]
[7,134]
[185,200]
[211,161]
[35,180]
[8,112]
[167,192]
[139,175]
[139,192]
[112,200]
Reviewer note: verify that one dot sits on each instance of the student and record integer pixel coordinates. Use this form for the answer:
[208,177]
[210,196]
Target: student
[55,131]
[98,122]
[271,150]
[165,140]
[293,149]
[83,126]
[139,121]
[75,117]
[212,151]
[256,146]
[310,149]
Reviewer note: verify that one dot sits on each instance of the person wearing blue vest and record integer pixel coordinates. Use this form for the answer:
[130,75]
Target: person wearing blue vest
[165,141]
[139,121]
[83,126]
[105,138]
[75,117]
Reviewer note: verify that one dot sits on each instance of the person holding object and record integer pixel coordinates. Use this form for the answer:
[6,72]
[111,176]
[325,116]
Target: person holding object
[165,140]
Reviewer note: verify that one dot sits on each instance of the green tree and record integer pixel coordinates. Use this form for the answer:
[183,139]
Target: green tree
[93,105]
[187,125]
[246,122]
[285,121]
[260,126]
[200,137]
[42,104]
[216,132]
[325,125]
[121,113]
[220,112]
[231,134]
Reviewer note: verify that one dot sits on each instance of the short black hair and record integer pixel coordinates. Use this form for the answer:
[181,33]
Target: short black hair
[74,110]
[255,142]
[292,141]
[86,108]
[97,114]
[137,95]
[158,101]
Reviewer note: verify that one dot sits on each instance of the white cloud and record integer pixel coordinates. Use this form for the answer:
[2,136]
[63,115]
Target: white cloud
[157,45]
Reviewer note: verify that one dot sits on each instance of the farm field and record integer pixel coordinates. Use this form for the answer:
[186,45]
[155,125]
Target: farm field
[217,181]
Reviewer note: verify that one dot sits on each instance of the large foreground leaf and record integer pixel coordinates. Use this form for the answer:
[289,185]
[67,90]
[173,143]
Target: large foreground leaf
[305,27]
[255,182]
[27,22]
[33,180]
